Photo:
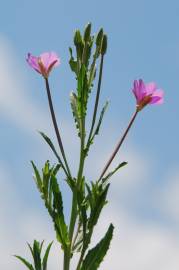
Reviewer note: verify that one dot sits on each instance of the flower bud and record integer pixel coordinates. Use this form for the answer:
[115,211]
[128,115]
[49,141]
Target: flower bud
[99,37]
[87,32]
[77,38]
[104,45]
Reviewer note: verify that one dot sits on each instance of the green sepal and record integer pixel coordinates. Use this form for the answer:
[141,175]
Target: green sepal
[96,255]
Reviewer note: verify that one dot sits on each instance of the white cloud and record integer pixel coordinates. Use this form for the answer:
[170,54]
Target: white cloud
[15,102]
[167,197]
[138,246]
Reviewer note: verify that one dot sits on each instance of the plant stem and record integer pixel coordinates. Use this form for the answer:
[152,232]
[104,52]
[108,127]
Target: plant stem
[76,235]
[56,126]
[66,262]
[80,173]
[97,100]
[84,250]
[79,177]
[118,145]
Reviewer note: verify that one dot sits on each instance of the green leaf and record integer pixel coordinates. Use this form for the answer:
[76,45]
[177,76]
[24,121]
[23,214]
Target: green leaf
[29,266]
[95,256]
[31,250]
[73,63]
[74,107]
[104,179]
[101,118]
[51,194]
[36,255]
[49,142]
[58,216]
[82,206]
[37,177]
[97,202]
[41,246]
[45,258]
[82,91]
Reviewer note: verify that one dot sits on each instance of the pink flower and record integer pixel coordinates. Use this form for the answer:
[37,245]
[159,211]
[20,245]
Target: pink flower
[43,63]
[147,94]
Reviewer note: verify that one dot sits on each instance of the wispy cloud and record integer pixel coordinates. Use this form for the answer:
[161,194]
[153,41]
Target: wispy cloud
[15,102]
[167,198]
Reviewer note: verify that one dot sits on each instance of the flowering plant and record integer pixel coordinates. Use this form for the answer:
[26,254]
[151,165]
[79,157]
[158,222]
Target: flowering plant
[88,199]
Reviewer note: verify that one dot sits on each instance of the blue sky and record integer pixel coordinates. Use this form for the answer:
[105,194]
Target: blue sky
[143,43]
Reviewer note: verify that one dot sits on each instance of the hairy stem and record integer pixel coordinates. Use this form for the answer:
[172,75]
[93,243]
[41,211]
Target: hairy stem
[56,126]
[66,262]
[76,235]
[118,145]
[78,183]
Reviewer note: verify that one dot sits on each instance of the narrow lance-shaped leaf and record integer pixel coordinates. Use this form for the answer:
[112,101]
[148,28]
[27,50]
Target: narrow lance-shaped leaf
[82,91]
[45,258]
[27,264]
[97,206]
[49,142]
[58,216]
[74,107]
[36,255]
[96,132]
[101,118]
[96,255]
[73,63]
[37,177]
[104,179]
[82,206]
[36,251]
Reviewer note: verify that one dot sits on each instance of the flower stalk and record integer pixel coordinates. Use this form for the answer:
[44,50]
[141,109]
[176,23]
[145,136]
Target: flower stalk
[118,145]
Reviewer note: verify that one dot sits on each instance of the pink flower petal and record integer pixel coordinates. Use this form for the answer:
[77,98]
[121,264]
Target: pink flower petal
[48,58]
[150,88]
[157,97]
[141,90]
[33,62]
[44,63]
[146,94]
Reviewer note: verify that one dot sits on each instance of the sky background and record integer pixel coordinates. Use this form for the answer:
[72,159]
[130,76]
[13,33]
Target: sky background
[143,42]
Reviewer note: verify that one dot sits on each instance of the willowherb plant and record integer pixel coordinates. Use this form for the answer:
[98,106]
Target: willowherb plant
[88,199]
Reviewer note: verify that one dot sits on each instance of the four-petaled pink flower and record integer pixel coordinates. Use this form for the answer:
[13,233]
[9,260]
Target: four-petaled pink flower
[43,63]
[146,94]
